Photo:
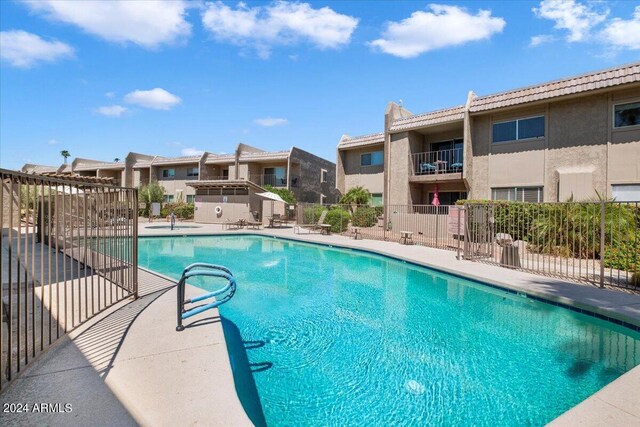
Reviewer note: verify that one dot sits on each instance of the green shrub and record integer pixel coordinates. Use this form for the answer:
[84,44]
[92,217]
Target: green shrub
[185,211]
[365,217]
[625,255]
[180,209]
[286,194]
[338,218]
[561,229]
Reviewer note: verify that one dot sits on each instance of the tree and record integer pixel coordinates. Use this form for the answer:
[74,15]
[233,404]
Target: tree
[117,159]
[356,196]
[286,194]
[151,193]
[65,154]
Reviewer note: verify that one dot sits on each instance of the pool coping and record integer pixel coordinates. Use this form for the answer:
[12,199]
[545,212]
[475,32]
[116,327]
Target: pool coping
[616,404]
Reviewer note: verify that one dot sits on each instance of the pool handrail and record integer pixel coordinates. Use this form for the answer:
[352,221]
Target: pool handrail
[207,270]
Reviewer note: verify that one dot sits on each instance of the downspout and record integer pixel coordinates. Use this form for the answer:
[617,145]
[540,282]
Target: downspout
[467,150]
[237,164]
[289,168]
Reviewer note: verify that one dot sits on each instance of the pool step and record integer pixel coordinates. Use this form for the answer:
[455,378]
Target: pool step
[204,270]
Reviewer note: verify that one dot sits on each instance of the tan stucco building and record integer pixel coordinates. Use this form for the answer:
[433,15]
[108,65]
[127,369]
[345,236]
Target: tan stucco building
[236,176]
[569,139]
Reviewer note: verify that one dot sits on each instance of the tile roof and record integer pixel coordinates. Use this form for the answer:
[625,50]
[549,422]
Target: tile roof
[587,82]
[31,168]
[99,165]
[266,155]
[361,141]
[429,119]
[175,160]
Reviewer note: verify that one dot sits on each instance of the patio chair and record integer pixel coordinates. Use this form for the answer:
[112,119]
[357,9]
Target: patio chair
[427,167]
[320,225]
[456,166]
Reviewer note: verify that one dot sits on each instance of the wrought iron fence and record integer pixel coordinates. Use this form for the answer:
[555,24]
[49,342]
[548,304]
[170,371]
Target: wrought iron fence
[596,242]
[68,250]
[427,225]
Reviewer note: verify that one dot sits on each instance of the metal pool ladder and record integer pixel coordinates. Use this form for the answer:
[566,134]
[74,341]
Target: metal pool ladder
[203,269]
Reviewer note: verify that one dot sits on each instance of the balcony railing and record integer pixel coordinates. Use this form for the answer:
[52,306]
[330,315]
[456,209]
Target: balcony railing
[437,162]
[269,179]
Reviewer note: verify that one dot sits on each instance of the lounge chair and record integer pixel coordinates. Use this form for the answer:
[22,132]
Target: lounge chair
[235,224]
[255,222]
[320,225]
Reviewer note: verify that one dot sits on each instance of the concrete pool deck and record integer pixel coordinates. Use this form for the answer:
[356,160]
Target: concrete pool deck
[128,366]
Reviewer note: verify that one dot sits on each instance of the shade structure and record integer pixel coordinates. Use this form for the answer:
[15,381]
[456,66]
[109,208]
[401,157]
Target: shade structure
[271,196]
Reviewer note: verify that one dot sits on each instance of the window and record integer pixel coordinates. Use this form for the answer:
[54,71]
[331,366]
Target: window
[626,115]
[276,177]
[192,172]
[168,198]
[518,194]
[372,159]
[323,175]
[191,198]
[225,174]
[376,199]
[532,127]
[168,173]
[626,192]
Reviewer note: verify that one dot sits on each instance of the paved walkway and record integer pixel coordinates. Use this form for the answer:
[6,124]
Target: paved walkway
[128,366]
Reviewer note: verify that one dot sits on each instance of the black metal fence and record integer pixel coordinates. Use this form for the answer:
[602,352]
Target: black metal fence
[595,242]
[68,250]
[427,225]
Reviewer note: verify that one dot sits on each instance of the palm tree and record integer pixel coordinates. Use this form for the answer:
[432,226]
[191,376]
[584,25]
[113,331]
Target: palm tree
[117,159]
[356,196]
[65,154]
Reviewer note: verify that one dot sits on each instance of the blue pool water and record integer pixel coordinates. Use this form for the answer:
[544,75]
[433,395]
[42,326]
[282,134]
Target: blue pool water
[323,336]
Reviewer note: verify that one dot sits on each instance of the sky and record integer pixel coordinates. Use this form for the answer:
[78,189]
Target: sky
[100,79]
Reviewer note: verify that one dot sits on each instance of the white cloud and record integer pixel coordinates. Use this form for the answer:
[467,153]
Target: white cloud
[112,110]
[271,121]
[578,18]
[110,95]
[53,142]
[440,27]
[280,23]
[191,151]
[621,33]
[157,99]
[540,39]
[22,49]
[147,23]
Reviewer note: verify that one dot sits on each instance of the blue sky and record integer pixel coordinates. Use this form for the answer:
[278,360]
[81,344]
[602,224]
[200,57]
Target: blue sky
[103,79]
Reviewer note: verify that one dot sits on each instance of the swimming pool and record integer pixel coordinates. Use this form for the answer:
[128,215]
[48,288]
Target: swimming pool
[328,336]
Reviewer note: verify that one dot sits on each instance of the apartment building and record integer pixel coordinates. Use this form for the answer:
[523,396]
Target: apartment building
[569,139]
[309,177]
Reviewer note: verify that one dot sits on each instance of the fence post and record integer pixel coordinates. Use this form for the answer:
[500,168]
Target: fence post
[458,233]
[602,225]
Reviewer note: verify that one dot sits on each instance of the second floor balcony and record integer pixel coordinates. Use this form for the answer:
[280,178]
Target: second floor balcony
[436,165]
[278,181]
